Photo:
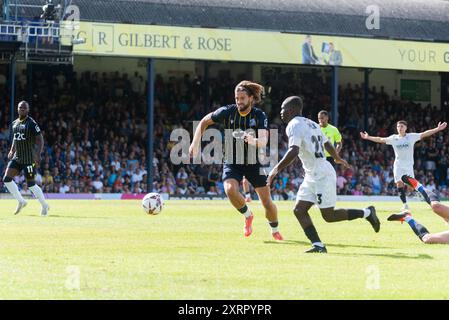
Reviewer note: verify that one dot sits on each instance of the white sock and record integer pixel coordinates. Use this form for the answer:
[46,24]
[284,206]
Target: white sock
[318,244]
[248,195]
[408,218]
[275,229]
[248,213]
[366,212]
[14,190]
[37,191]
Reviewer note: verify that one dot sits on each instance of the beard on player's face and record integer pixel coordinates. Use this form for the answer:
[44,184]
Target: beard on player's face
[244,107]
[243,100]
[244,104]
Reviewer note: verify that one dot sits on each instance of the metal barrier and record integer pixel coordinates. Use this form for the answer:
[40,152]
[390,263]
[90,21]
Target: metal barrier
[47,42]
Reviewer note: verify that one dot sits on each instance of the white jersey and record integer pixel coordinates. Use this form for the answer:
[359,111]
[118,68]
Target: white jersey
[307,135]
[403,148]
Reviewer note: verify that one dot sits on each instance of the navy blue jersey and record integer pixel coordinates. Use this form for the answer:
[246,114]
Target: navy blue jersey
[235,125]
[24,135]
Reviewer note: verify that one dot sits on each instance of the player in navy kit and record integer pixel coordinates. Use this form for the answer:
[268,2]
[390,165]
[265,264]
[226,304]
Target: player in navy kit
[24,156]
[249,127]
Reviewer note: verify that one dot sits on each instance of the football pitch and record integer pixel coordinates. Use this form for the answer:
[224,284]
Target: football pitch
[196,250]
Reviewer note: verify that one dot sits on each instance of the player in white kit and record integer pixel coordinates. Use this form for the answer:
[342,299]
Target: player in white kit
[307,141]
[403,144]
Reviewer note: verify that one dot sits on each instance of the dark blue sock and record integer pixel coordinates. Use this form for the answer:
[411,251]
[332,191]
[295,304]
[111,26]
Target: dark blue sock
[417,228]
[312,234]
[243,209]
[402,194]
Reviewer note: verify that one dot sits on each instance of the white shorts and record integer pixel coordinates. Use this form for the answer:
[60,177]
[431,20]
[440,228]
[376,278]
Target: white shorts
[400,171]
[321,192]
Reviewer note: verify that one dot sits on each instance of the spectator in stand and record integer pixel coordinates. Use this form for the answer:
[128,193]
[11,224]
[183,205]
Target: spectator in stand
[341,182]
[212,191]
[358,190]
[212,179]
[64,188]
[431,187]
[376,183]
[192,185]
[182,188]
[97,185]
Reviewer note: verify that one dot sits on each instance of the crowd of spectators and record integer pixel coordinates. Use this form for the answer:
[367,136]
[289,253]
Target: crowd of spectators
[94,125]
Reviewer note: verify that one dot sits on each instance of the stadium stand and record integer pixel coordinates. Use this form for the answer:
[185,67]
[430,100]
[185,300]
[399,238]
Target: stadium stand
[95,134]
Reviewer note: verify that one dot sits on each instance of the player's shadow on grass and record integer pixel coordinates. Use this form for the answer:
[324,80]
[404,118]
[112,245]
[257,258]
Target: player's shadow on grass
[66,217]
[330,245]
[296,242]
[77,217]
[393,255]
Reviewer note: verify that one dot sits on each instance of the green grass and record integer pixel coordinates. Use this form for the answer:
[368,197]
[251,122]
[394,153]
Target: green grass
[196,250]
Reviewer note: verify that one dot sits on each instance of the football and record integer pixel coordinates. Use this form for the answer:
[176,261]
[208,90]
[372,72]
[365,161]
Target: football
[152,203]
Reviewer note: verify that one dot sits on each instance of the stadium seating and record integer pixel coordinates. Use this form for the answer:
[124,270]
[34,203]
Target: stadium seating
[95,134]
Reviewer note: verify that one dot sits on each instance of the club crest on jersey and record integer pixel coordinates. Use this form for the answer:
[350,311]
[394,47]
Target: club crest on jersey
[252,122]
[22,126]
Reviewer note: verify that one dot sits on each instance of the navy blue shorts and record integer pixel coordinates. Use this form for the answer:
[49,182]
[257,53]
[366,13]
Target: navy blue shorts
[29,169]
[255,174]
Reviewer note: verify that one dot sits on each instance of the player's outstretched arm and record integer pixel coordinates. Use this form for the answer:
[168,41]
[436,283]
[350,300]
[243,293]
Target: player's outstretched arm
[366,136]
[441,126]
[196,142]
[330,148]
[288,158]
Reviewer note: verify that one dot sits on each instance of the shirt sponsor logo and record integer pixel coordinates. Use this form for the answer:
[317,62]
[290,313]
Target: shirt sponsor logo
[19,136]
[403,146]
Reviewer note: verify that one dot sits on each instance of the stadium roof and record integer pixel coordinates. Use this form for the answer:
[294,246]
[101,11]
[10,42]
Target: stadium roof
[399,19]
